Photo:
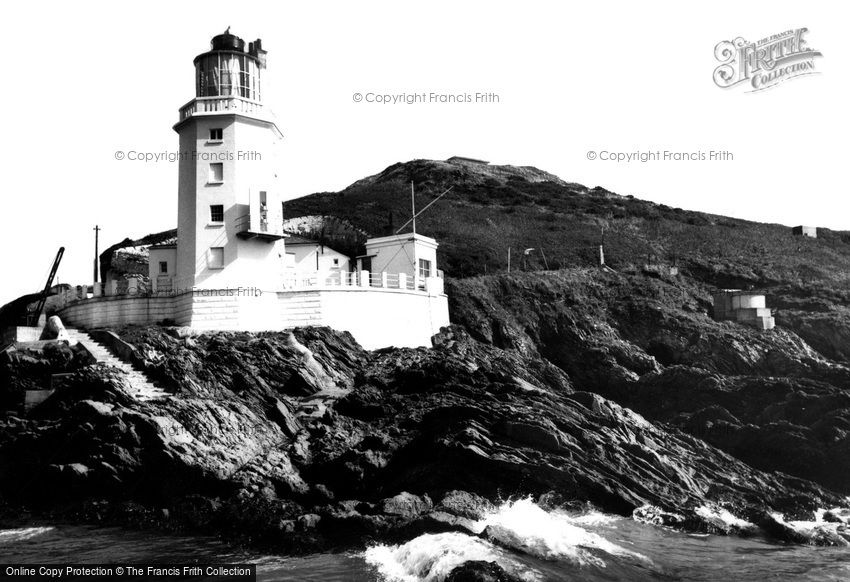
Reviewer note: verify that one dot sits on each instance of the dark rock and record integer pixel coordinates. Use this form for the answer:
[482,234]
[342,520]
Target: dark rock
[309,521]
[465,504]
[480,571]
[407,505]
[323,491]
[837,516]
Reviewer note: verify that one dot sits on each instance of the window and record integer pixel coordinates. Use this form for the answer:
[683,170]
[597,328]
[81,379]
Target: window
[336,262]
[216,134]
[228,74]
[216,258]
[424,268]
[216,213]
[163,267]
[216,172]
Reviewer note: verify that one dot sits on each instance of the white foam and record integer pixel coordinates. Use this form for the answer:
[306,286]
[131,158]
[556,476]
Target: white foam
[520,525]
[24,533]
[652,515]
[722,517]
[840,513]
[802,526]
[812,528]
[526,527]
[431,557]
[593,518]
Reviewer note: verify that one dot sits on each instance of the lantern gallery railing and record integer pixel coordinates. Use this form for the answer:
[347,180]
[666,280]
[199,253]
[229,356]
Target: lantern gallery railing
[222,104]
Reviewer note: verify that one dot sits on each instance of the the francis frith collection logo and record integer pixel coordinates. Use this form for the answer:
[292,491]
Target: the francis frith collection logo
[766,63]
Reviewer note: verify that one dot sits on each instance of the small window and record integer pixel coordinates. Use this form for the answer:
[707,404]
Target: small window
[424,268]
[216,258]
[163,268]
[336,262]
[217,172]
[216,213]
[216,134]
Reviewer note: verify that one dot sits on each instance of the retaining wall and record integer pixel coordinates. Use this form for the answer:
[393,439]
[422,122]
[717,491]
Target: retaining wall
[376,318]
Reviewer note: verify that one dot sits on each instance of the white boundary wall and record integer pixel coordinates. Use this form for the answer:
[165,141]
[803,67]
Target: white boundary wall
[376,317]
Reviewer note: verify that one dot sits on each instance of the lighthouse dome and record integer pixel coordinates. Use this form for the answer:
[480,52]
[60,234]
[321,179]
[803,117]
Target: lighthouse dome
[227,42]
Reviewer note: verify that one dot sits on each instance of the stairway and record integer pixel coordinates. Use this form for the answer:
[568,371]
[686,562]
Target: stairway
[140,387]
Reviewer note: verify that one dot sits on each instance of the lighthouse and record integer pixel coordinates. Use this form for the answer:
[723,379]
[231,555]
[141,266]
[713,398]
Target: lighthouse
[227,268]
[230,216]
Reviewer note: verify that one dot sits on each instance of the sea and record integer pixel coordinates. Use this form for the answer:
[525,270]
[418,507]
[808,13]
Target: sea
[534,544]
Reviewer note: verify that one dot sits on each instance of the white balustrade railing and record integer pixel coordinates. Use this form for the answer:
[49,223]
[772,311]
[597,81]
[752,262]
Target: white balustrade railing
[291,281]
[324,279]
[223,104]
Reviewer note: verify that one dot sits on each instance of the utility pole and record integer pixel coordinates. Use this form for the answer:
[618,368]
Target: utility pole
[413,206]
[96,233]
[509,260]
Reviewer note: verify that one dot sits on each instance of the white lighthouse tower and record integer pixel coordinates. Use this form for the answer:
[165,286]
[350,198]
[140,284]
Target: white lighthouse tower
[230,218]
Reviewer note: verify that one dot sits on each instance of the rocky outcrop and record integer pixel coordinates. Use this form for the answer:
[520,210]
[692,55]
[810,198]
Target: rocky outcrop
[303,441]
[30,365]
[768,398]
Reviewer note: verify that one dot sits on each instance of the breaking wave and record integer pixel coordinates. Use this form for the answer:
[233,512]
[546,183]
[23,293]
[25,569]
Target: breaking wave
[833,530]
[519,525]
[524,526]
[23,533]
[431,557]
[722,518]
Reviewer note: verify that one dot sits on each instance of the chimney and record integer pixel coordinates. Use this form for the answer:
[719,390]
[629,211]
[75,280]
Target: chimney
[256,48]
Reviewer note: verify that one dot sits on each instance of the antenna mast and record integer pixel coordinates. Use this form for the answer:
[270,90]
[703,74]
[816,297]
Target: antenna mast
[427,206]
[413,206]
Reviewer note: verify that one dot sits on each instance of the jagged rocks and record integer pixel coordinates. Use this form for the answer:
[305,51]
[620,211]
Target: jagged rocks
[379,436]
[649,344]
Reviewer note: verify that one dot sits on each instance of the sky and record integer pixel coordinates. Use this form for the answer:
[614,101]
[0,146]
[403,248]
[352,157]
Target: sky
[571,80]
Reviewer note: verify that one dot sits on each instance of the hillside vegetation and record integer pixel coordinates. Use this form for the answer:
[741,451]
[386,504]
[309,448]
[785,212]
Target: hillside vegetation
[491,208]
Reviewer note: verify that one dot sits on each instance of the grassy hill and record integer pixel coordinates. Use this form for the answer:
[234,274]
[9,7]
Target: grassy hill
[491,208]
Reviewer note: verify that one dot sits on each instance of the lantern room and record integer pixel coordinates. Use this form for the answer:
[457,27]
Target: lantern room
[228,70]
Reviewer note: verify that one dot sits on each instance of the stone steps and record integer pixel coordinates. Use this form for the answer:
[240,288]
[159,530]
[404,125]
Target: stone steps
[140,387]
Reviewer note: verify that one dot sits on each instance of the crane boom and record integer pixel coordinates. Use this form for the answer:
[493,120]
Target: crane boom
[33,317]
